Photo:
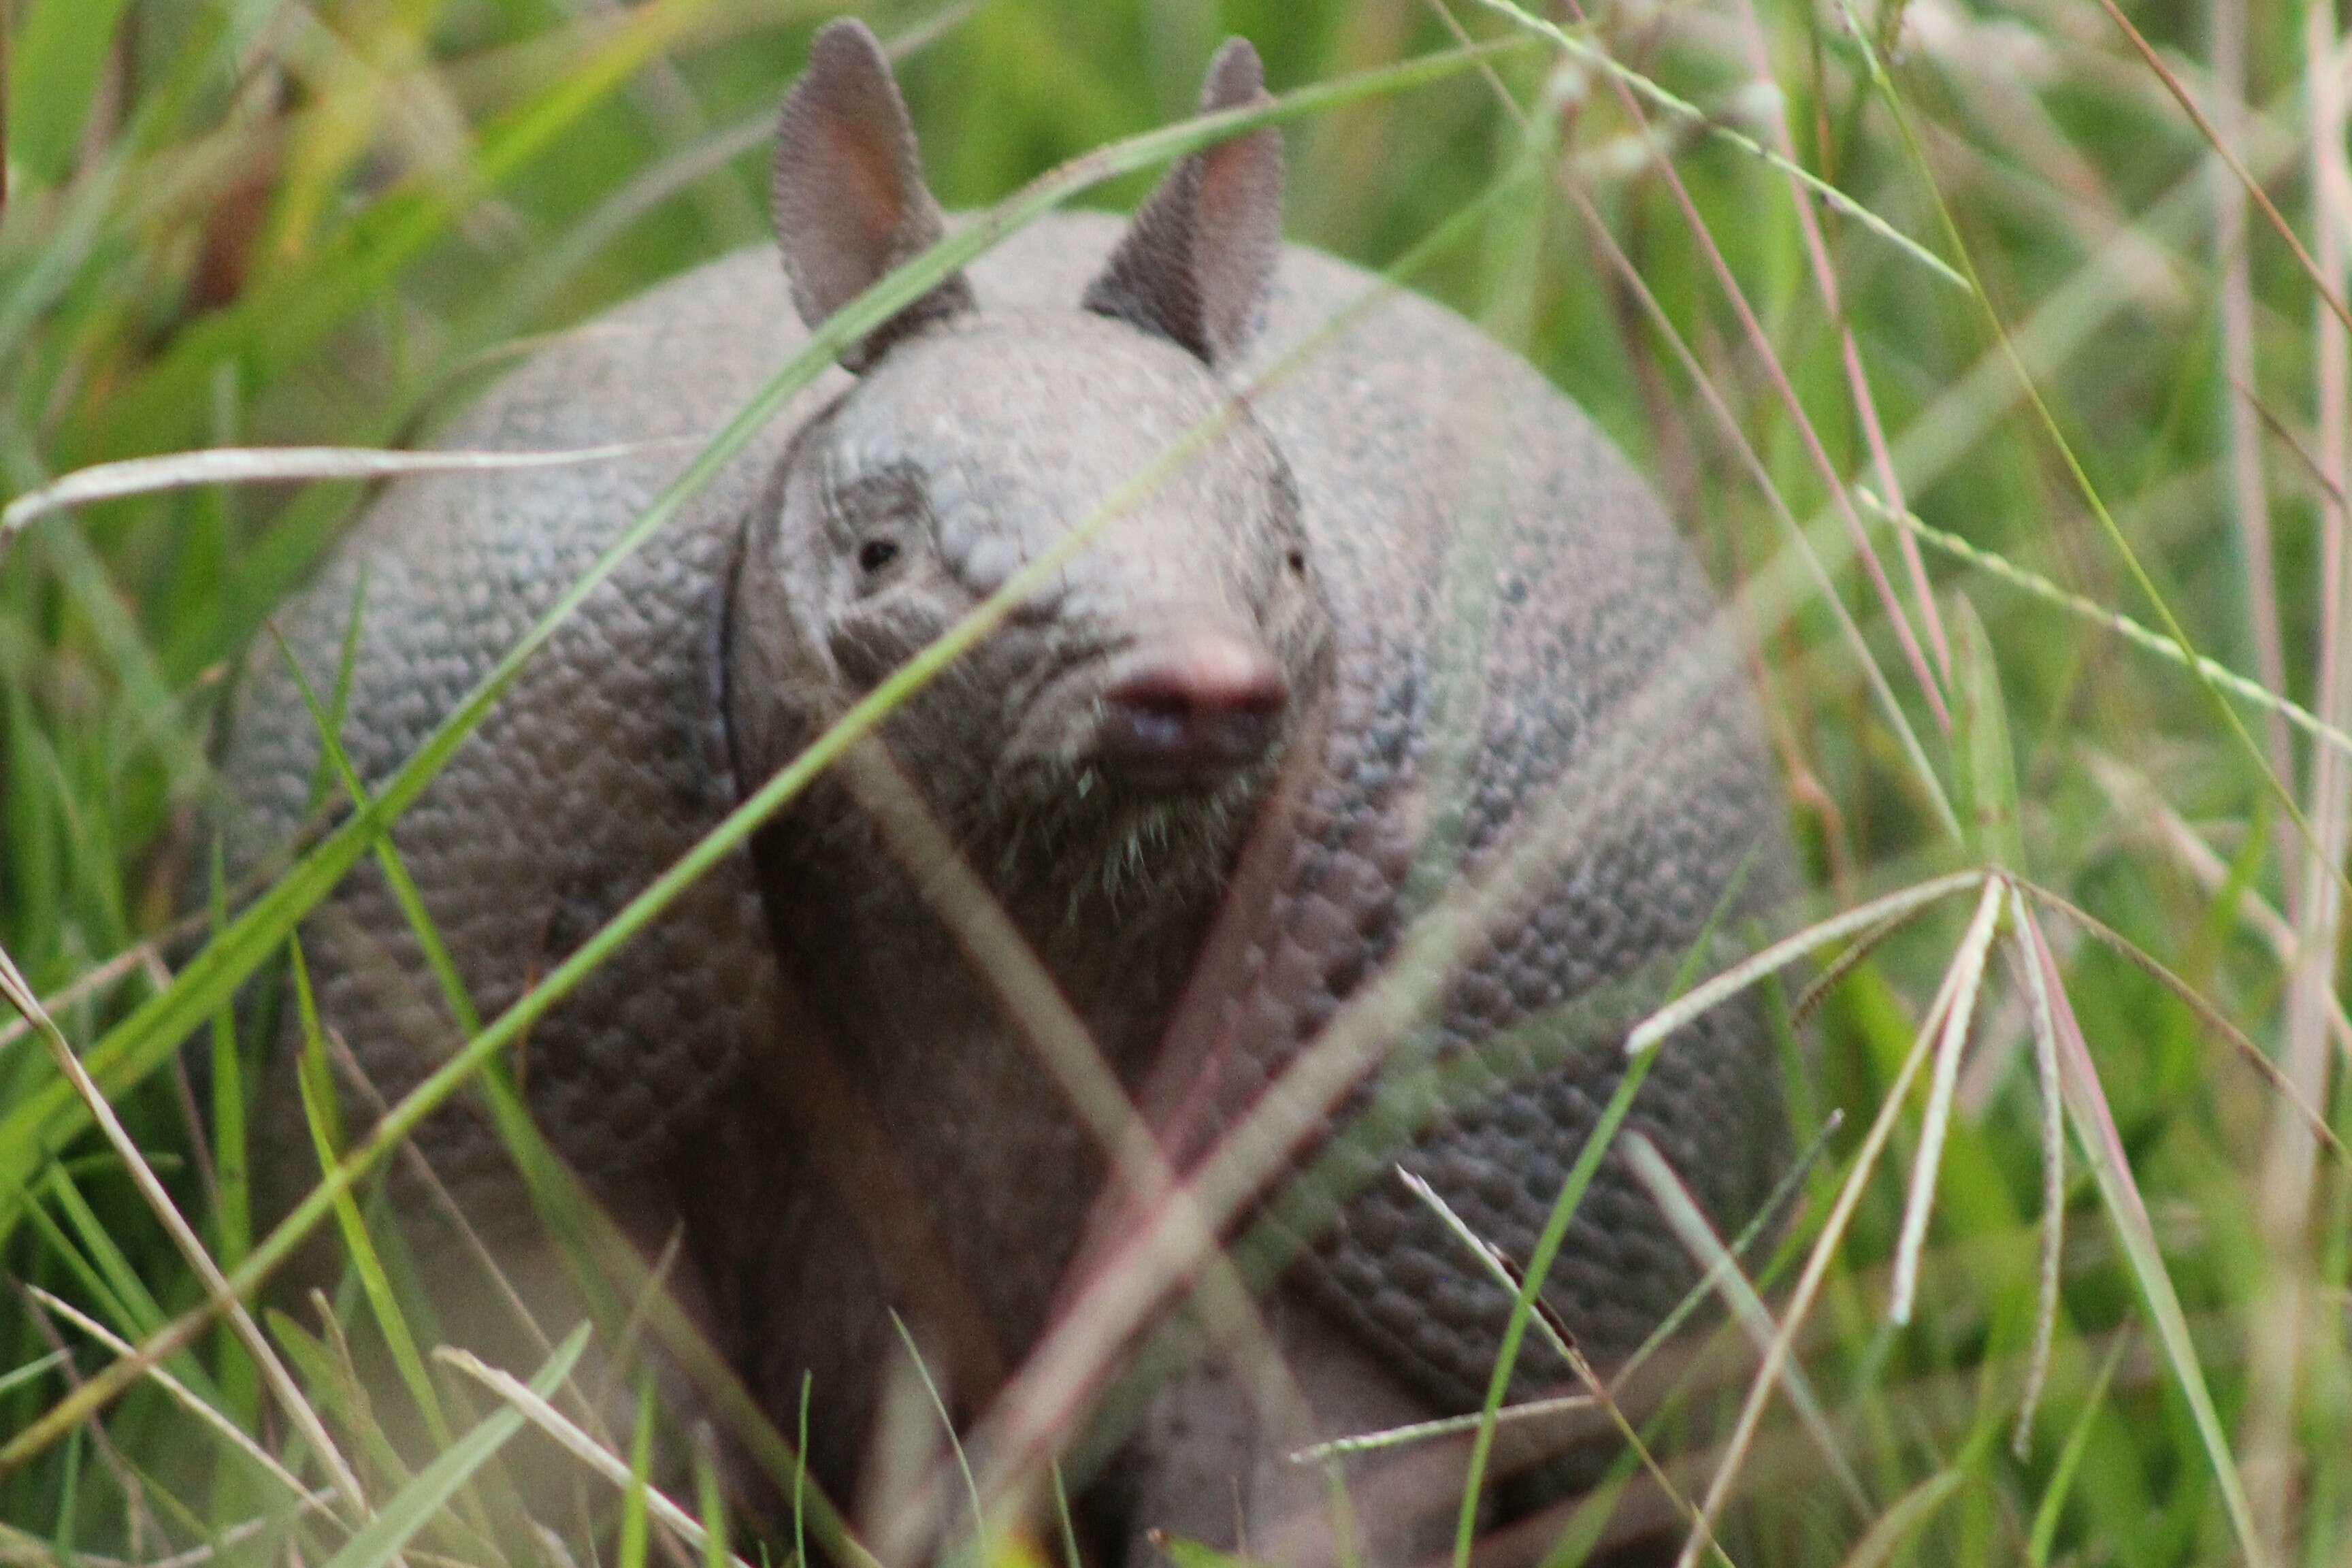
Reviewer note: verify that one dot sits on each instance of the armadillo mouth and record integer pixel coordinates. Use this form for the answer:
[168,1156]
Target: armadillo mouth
[1093,801]
[1105,845]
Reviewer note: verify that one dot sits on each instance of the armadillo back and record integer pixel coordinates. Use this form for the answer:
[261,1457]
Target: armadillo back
[600,767]
[1531,695]
[1539,718]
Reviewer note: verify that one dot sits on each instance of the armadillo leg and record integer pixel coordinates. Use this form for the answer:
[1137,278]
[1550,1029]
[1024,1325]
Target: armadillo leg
[1211,1461]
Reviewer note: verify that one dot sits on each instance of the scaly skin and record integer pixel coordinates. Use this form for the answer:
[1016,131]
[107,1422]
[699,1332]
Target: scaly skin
[1492,569]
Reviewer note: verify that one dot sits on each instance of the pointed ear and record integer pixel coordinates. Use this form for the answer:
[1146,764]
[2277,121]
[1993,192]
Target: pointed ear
[1195,265]
[848,195]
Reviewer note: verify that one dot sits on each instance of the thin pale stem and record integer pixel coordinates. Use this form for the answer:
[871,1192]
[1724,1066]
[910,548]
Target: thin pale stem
[2249,500]
[2053,1174]
[1866,406]
[2289,1159]
[1817,1266]
[19,996]
[1760,344]
[1969,966]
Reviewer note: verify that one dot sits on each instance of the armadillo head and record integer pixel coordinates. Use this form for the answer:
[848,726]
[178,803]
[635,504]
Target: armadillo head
[1165,630]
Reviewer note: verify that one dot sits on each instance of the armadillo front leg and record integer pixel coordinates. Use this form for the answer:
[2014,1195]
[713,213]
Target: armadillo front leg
[1213,1460]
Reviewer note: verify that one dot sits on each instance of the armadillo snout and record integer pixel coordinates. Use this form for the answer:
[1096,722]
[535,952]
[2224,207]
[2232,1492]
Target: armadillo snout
[1189,711]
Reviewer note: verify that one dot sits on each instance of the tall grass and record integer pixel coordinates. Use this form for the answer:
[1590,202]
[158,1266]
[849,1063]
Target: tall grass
[1961,341]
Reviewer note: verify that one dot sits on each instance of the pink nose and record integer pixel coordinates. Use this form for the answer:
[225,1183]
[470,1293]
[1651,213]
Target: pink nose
[1191,711]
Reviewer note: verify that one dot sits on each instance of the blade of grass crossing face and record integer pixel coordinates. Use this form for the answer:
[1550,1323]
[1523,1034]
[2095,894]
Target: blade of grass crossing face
[2095,1129]
[381,1538]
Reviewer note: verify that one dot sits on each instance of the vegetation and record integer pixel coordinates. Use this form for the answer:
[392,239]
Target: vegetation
[2066,281]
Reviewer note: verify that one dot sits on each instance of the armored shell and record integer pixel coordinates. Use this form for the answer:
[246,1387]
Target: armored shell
[1530,695]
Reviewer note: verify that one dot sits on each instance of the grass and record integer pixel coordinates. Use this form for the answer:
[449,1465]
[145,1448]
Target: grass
[2063,346]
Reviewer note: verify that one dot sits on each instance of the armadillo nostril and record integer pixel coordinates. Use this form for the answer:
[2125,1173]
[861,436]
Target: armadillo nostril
[1189,712]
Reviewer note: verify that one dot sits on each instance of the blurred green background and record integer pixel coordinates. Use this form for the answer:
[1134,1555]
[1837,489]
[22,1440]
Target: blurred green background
[273,222]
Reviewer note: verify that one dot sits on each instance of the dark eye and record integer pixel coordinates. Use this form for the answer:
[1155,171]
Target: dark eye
[1297,562]
[874,554]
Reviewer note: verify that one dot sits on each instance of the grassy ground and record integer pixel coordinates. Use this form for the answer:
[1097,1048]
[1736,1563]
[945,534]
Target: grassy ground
[2062,332]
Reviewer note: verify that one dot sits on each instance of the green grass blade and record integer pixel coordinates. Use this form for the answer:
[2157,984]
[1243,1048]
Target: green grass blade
[947,1424]
[2048,1511]
[2072,461]
[141,1315]
[1986,774]
[2122,626]
[318,1108]
[2094,1130]
[1538,1268]
[52,80]
[381,1538]
[631,1553]
[1894,1528]
[709,1532]
[1691,114]
[712,1508]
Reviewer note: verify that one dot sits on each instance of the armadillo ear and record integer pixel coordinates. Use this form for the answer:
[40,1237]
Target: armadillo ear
[1195,265]
[849,198]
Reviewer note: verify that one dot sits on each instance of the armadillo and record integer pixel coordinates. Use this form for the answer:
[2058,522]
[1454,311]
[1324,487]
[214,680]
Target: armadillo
[1399,622]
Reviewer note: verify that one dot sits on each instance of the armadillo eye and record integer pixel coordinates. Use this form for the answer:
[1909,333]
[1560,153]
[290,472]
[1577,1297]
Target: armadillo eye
[1297,562]
[874,554]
